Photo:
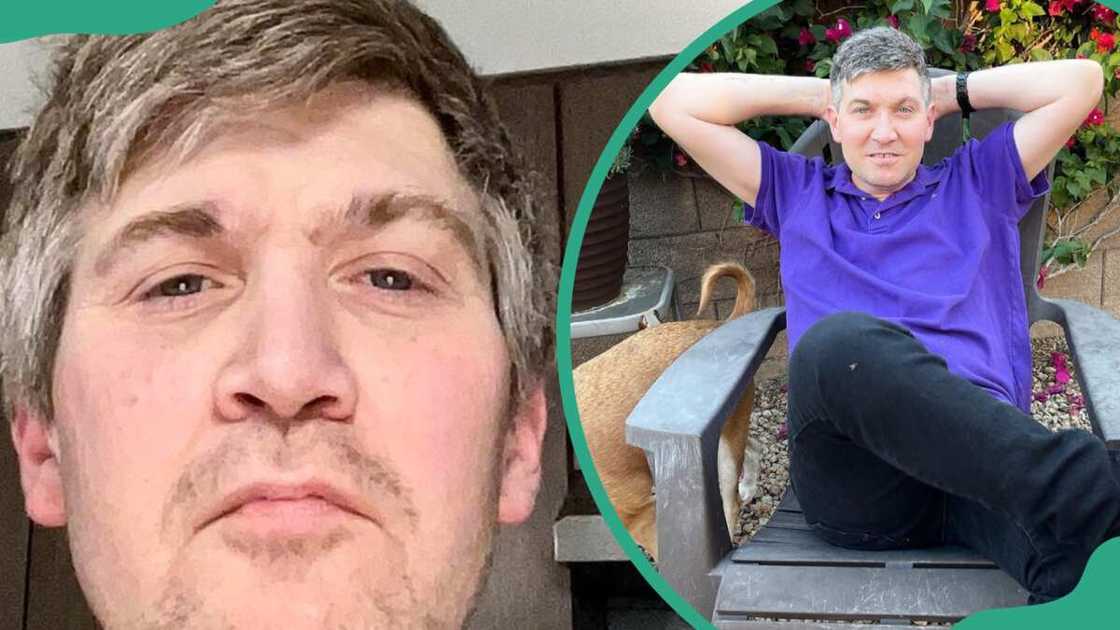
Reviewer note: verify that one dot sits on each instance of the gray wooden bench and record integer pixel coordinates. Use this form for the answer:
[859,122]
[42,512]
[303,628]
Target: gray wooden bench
[768,578]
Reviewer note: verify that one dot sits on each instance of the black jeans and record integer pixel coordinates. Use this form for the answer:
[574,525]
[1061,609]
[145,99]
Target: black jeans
[888,449]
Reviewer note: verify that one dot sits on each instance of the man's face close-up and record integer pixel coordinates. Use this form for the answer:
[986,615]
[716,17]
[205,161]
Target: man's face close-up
[882,125]
[281,391]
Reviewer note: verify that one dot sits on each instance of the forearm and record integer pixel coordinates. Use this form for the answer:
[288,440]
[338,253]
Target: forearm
[729,99]
[1025,87]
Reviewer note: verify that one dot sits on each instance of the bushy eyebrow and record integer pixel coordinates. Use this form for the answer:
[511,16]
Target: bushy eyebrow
[199,220]
[376,211]
[195,220]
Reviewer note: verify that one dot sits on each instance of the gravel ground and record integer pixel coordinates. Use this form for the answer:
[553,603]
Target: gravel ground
[1057,405]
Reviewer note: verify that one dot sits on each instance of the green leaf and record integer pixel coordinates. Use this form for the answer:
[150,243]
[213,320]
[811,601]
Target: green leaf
[941,40]
[917,25]
[803,8]
[1007,16]
[787,140]
[926,4]
[902,5]
[767,46]
[818,31]
[941,9]
[1040,54]
[1005,51]
[1031,9]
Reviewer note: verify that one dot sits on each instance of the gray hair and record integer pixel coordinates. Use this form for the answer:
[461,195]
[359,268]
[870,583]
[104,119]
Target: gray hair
[114,101]
[876,50]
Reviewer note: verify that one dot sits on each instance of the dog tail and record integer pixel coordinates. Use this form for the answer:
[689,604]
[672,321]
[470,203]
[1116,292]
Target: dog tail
[744,293]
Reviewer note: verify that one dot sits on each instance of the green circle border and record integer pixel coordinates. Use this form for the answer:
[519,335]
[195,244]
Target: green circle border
[24,20]
[1065,610]
[564,302]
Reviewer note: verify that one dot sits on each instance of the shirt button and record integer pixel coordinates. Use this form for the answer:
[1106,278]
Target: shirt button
[876,216]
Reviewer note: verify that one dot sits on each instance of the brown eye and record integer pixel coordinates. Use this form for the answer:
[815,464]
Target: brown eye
[180,285]
[390,279]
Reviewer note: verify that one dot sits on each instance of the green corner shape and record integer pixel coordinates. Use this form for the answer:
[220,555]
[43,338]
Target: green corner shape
[1088,606]
[23,20]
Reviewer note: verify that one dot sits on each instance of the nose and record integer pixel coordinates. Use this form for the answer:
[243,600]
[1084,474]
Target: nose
[883,132]
[286,365]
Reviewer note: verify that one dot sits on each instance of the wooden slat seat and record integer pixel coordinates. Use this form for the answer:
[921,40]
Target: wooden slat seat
[786,571]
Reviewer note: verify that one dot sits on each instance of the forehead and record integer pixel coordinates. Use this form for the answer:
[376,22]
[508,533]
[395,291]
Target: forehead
[884,85]
[300,163]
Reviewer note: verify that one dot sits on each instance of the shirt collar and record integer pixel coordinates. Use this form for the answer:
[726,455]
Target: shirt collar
[841,181]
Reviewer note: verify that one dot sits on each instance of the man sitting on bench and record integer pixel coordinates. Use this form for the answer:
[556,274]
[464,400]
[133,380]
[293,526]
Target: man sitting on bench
[910,366]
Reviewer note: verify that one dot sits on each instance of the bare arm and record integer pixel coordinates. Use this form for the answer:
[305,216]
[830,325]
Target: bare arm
[700,111]
[1055,97]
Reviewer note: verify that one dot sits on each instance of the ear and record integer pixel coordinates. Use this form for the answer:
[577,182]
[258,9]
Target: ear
[521,460]
[36,443]
[931,117]
[832,117]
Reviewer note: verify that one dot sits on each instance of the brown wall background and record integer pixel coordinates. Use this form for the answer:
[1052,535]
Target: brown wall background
[560,121]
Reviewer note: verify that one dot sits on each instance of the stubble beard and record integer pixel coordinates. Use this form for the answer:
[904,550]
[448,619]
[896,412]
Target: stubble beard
[183,605]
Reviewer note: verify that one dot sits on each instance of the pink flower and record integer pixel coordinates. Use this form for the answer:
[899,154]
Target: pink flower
[1061,376]
[680,159]
[806,37]
[991,6]
[783,431]
[810,65]
[842,30]
[1106,42]
[1041,396]
[1042,272]
[1072,142]
[968,44]
[1057,388]
[892,20]
[1055,8]
[1096,117]
[1058,360]
[1116,73]
[1104,14]
[707,67]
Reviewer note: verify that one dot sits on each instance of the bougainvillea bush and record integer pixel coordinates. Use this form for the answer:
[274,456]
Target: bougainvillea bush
[799,37]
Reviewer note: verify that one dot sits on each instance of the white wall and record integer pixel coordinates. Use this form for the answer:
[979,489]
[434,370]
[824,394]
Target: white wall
[20,62]
[498,37]
[522,35]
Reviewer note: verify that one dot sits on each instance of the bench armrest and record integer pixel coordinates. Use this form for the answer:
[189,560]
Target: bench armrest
[678,423]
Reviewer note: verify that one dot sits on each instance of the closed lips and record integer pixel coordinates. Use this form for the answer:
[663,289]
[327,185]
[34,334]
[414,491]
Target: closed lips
[270,493]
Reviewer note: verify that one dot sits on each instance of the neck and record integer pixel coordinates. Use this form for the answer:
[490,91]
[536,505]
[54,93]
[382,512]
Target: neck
[881,192]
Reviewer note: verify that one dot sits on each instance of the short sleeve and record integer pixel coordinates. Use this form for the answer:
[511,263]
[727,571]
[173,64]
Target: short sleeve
[996,171]
[784,177]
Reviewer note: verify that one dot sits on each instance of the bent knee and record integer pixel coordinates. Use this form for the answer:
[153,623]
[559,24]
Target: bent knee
[844,331]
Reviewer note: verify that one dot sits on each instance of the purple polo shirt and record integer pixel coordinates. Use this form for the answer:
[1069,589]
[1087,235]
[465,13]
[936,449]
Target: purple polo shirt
[939,257]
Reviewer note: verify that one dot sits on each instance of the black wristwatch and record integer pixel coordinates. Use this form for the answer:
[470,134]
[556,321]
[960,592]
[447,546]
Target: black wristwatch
[962,94]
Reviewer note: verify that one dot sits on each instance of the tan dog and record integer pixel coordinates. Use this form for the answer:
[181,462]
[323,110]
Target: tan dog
[609,386]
